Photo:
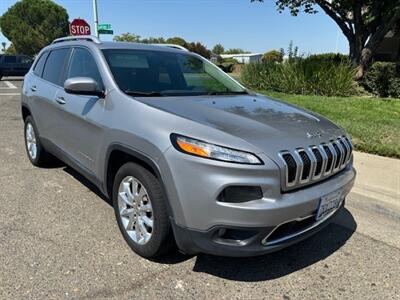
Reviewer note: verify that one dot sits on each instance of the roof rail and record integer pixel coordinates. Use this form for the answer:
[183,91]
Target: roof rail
[172,46]
[89,38]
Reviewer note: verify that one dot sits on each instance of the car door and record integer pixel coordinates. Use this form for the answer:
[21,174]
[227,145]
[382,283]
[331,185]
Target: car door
[9,63]
[82,115]
[42,89]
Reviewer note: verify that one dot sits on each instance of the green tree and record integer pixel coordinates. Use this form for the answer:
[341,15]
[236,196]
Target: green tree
[199,49]
[127,37]
[218,49]
[364,23]
[10,50]
[153,40]
[272,56]
[32,24]
[177,41]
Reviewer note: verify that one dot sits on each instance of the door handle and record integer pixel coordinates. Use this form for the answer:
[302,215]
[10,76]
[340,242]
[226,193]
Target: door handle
[33,88]
[60,100]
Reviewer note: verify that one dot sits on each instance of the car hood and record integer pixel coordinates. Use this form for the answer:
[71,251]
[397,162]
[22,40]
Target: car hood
[257,119]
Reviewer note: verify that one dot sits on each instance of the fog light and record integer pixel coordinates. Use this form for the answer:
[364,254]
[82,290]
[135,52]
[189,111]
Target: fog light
[238,194]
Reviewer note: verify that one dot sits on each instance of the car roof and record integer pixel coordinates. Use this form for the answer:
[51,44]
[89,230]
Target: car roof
[94,42]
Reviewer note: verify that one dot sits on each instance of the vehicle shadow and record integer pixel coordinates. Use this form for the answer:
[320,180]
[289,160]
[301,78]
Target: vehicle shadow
[87,183]
[261,268]
[284,262]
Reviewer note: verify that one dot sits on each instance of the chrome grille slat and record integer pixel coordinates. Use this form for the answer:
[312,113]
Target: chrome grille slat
[335,156]
[345,154]
[299,167]
[341,155]
[305,173]
[306,165]
[318,159]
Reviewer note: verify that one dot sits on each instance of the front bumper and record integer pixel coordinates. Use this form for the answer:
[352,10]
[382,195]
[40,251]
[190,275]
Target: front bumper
[195,242]
[198,217]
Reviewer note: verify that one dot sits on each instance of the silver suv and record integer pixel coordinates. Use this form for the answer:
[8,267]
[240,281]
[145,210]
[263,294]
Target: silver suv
[188,155]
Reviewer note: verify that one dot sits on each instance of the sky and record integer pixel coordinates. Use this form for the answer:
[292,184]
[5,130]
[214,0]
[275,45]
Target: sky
[256,27]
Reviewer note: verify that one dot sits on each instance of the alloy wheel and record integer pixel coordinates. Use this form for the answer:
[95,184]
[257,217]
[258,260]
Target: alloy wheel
[31,141]
[135,210]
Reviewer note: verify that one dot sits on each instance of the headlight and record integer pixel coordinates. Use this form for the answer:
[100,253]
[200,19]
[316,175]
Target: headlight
[203,149]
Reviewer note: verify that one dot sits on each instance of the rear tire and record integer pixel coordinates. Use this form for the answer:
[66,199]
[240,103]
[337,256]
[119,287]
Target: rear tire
[141,212]
[34,148]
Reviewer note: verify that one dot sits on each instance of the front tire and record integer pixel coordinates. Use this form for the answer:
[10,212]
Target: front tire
[34,148]
[141,212]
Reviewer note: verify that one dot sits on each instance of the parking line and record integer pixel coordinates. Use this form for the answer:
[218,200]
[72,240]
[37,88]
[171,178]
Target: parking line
[10,94]
[9,85]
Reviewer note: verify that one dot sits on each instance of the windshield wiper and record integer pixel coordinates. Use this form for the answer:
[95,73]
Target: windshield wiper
[227,93]
[143,94]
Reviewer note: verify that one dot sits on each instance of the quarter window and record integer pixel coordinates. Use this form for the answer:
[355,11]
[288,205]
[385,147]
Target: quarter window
[83,65]
[38,69]
[54,66]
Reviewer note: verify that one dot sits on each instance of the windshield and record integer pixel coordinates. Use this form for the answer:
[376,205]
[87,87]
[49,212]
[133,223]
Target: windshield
[158,73]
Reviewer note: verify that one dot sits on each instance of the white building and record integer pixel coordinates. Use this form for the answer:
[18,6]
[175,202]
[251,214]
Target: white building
[245,58]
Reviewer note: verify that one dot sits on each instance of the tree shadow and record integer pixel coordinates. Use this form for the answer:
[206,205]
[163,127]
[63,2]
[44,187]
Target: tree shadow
[286,261]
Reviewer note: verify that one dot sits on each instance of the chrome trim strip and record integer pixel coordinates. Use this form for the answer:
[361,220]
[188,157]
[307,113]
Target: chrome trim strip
[290,236]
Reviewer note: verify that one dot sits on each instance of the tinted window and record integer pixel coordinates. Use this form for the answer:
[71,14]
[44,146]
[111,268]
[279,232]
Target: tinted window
[83,65]
[10,59]
[167,73]
[26,60]
[54,66]
[38,69]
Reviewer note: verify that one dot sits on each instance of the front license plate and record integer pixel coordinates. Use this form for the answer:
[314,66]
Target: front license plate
[329,203]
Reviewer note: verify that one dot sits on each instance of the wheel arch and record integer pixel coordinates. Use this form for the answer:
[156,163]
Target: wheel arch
[25,111]
[119,154]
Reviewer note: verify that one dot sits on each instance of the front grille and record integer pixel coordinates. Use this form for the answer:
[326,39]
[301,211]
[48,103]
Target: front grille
[306,165]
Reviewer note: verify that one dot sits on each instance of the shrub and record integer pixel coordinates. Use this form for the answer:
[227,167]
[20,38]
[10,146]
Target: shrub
[272,56]
[335,58]
[383,79]
[301,77]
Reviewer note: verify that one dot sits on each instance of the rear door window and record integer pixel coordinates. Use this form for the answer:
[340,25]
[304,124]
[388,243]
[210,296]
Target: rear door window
[10,59]
[54,68]
[26,60]
[38,69]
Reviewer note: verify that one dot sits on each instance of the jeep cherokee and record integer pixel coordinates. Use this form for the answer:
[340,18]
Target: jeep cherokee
[188,155]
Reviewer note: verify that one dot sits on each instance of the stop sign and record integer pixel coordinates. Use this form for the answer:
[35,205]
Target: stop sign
[79,27]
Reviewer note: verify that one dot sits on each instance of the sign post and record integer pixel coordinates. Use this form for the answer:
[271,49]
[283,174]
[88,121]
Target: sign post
[79,27]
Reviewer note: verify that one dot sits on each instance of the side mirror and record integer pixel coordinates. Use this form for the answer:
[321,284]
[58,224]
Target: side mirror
[83,86]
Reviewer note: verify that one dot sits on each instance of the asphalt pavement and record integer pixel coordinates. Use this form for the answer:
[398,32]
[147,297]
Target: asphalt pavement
[59,240]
